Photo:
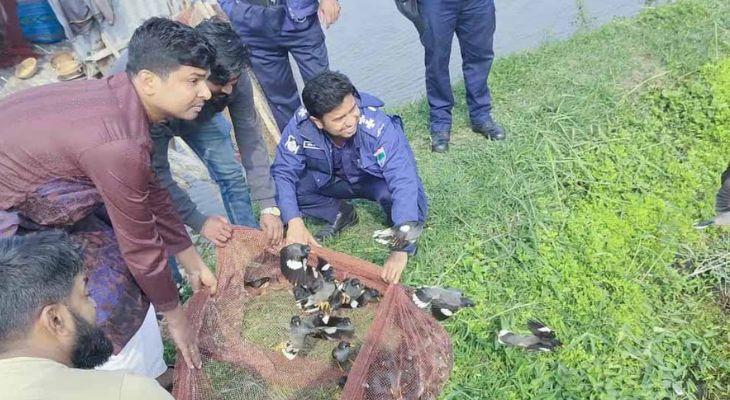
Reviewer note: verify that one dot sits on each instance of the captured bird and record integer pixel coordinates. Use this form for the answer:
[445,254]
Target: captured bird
[341,354]
[325,268]
[298,332]
[399,236]
[351,289]
[542,338]
[257,283]
[321,295]
[722,204]
[368,296]
[331,327]
[293,263]
[301,296]
[444,302]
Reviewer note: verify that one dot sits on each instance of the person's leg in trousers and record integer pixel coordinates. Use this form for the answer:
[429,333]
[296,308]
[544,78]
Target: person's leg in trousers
[475,31]
[314,203]
[376,189]
[212,143]
[308,49]
[274,73]
[440,17]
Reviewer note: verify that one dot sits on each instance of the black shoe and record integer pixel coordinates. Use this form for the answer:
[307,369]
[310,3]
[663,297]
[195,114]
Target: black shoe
[440,141]
[490,130]
[346,217]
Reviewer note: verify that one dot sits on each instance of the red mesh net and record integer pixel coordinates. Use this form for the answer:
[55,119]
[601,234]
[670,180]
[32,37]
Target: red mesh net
[403,352]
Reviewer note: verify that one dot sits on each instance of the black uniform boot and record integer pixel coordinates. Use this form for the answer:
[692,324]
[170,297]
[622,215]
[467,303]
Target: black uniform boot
[346,216]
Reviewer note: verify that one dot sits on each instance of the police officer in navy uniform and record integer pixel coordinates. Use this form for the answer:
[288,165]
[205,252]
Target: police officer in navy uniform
[273,29]
[474,23]
[340,146]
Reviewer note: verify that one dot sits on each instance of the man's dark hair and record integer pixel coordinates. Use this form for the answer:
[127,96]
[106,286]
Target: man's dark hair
[325,92]
[231,54]
[162,46]
[35,270]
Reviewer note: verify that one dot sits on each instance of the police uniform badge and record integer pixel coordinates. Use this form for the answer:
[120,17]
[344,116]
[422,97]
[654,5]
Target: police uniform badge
[380,156]
[291,145]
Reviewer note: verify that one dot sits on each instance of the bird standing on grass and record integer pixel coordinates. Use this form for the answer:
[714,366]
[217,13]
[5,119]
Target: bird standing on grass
[332,328]
[351,289]
[298,332]
[322,293]
[342,354]
[722,204]
[444,302]
[542,339]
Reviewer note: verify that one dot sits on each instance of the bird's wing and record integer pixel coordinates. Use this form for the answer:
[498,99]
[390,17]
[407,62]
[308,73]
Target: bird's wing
[405,234]
[324,268]
[294,270]
[540,330]
[722,200]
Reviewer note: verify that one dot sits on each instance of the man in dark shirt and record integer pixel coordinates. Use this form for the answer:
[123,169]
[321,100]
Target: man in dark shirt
[341,146]
[209,137]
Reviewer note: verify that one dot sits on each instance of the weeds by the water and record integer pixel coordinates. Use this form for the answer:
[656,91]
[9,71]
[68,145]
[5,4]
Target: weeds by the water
[616,144]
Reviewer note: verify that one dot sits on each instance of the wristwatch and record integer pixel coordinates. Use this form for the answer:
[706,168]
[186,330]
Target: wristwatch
[272,210]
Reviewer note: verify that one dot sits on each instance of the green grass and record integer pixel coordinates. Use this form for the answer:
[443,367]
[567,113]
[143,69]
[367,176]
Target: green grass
[583,217]
[616,141]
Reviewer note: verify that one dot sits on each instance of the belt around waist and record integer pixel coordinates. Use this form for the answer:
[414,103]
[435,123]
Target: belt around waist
[265,3]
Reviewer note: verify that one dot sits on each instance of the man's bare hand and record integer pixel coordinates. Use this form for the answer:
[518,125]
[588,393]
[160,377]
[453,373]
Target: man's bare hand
[273,228]
[199,275]
[329,11]
[217,230]
[394,266]
[298,233]
[182,335]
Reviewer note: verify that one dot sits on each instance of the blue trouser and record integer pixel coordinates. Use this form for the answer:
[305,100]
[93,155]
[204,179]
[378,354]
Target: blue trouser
[324,202]
[474,24]
[211,142]
[271,36]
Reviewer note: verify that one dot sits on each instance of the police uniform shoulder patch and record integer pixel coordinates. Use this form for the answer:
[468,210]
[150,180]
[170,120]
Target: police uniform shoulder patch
[291,145]
[367,122]
[302,112]
[380,156]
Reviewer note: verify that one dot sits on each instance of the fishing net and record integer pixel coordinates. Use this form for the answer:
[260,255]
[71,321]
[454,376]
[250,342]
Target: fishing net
[403,352]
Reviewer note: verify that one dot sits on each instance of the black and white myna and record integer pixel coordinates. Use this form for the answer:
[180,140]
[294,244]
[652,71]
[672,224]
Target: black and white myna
[444,302]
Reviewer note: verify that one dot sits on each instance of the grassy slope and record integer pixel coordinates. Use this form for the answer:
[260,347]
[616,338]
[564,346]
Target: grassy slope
[614,150]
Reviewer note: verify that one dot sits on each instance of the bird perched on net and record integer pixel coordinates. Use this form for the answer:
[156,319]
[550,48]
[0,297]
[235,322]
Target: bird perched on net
[542,338]
[722,204]
[443,302]
[399,236]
